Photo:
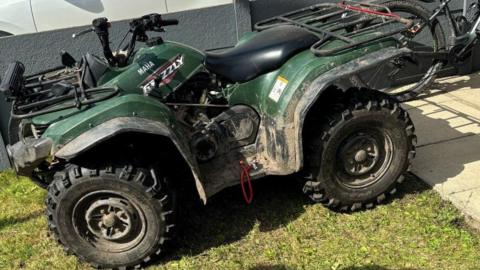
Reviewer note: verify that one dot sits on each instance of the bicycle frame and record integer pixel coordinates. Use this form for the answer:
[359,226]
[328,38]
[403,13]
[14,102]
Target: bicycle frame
[457,39]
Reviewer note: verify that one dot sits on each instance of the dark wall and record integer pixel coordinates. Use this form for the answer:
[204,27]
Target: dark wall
[264,9]
[213,27]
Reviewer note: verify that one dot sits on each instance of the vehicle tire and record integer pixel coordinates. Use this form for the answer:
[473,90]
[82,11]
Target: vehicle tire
[432,38]
[114,217]
[360,154]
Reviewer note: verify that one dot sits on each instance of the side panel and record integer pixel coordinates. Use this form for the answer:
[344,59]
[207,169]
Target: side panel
[171,62]
[298,72]
[79,121]
[302,80]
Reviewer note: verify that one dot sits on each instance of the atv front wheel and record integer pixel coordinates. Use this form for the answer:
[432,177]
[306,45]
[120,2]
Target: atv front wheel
[359,154]
[111,217]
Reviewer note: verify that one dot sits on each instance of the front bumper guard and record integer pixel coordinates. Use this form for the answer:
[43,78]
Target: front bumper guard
[28,154]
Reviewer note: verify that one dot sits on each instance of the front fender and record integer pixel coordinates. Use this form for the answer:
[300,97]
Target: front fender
[66,125]
[117,126]
[85,128]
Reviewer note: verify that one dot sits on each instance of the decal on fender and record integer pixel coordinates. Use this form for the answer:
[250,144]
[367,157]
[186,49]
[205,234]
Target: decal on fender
[162,75]
[278,88]
[145,68]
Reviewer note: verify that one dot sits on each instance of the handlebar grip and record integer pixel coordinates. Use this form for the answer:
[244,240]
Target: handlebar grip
[169,22]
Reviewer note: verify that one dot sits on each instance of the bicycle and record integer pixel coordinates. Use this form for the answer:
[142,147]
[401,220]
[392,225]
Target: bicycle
[463,36]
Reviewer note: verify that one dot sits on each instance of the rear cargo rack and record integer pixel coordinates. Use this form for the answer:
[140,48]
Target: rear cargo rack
[343,22]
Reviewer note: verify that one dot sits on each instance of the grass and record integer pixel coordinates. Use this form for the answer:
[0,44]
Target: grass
[280,230]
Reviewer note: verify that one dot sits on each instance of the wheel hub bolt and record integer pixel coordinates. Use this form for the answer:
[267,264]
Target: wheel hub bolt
[361,156]
[109,220]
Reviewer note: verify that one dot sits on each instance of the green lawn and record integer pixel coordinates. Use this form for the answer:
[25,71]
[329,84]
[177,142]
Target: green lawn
[280,230]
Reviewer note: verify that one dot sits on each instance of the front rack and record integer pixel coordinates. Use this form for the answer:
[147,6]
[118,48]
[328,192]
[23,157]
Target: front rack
[342,22]
[51,90]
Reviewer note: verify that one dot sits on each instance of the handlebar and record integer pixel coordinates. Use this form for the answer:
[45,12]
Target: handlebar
[138,28]
[74,36]
[150,22]
[169,22]
[99,25]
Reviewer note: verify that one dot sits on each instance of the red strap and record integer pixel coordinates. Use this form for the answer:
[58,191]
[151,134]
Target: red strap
[366,10]
[245,173]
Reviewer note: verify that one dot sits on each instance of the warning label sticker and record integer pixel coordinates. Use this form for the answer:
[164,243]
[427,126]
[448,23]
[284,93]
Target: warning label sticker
[278,89]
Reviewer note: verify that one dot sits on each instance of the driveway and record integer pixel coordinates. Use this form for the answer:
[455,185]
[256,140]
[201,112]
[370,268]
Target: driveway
[448,152]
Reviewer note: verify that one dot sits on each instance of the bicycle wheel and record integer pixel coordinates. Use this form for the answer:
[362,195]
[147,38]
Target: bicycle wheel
[408,76]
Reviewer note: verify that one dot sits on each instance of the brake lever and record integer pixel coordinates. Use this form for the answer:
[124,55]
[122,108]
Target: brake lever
[74,36]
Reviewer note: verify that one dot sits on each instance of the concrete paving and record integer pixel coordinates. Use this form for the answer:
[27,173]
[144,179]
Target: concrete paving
[448,128]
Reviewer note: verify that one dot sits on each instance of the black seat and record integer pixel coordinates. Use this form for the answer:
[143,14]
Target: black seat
[265,52]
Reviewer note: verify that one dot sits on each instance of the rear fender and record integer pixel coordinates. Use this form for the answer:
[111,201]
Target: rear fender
[305,79]
[343,77]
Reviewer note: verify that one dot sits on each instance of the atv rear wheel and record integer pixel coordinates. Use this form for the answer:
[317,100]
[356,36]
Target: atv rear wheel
[111,217]
[359,154]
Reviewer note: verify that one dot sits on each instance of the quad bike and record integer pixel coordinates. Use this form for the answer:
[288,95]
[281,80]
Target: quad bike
[114,138]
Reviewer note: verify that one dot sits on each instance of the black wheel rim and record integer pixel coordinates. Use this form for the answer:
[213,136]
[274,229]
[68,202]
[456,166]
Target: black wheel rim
[109,221]
[363,158]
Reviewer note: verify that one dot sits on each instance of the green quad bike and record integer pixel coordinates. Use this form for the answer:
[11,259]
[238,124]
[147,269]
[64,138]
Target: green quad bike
[112,138]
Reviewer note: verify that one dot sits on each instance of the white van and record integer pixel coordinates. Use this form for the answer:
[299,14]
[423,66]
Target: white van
[30,16]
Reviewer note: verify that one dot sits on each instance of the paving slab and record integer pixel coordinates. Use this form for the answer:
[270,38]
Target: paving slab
[448,129]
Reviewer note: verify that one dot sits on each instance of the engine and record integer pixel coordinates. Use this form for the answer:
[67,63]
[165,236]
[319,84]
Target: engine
[233,128]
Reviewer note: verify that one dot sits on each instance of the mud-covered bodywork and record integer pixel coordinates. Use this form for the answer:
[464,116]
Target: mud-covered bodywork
[130,113]
[280,99]
[283,115]
[115,141]
[72,132]
[121,125]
